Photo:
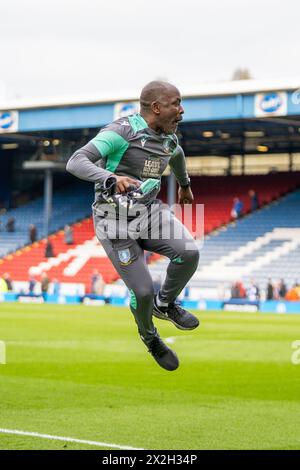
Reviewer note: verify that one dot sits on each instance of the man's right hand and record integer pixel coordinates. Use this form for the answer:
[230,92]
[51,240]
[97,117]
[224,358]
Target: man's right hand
[124,184]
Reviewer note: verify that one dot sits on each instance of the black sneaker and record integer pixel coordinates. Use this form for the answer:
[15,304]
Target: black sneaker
[165,357]
[177,315]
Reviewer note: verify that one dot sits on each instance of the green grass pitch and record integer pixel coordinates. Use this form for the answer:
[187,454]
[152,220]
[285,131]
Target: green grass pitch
[82,372]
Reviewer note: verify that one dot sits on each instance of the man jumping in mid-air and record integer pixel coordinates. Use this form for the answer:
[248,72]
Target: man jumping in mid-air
[126,161]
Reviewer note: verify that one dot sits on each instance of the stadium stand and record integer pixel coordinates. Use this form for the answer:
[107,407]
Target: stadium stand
[217,193]
[70,264]
[250,247]
[263,244]
[69,205]
[73,264]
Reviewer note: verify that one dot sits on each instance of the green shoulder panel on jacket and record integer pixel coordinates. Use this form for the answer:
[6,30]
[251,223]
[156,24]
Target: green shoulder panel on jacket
[112,146]
[137,122]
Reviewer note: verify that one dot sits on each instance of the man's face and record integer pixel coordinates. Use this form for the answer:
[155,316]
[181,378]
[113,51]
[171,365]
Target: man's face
[169,111]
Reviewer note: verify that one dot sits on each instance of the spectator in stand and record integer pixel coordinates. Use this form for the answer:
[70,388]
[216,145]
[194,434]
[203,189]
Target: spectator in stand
[10,225]
[270,290]
[32,233]
[31,285]
[275,291]
[242,290]
[49,249]
[44,284]
[235,293]
[282,289]
[254,204]
[97,283]
[294,293]
[8,281]
[238,290]
[3,286]
[237,208]
[68,235]
[253,292]
[56,287]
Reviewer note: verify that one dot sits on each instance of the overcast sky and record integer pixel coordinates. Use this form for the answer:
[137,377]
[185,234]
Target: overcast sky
[80,47]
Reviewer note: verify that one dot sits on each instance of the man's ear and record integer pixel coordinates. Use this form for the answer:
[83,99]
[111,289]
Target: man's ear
[155,106]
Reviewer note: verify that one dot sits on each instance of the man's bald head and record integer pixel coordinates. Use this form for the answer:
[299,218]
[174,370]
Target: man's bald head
[153,92]
[161,106]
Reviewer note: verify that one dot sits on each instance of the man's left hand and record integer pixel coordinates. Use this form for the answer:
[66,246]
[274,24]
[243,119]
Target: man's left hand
[185,195]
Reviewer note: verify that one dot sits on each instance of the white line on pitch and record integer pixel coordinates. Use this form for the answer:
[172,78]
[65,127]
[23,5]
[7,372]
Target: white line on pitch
[66,439]
[172,339]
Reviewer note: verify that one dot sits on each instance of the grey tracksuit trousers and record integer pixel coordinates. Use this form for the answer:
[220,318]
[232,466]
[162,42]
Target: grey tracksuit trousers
[169,238]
